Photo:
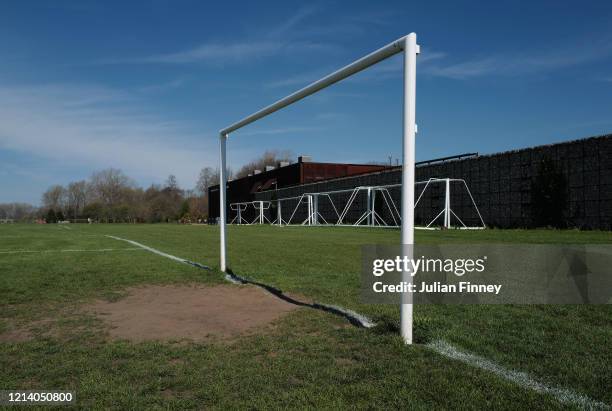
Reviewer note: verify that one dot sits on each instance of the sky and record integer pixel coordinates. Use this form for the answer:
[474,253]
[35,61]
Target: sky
[145,86]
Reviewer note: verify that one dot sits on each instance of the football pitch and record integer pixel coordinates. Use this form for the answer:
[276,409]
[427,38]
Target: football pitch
[466,356]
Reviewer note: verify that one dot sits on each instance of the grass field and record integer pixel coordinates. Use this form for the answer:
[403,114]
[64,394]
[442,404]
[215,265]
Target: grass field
[309,359]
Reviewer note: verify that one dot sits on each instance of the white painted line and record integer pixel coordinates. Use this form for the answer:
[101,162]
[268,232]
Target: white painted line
[520,378]
[99,250]
[161,253]
[46,235]
[232,279]
[361,319]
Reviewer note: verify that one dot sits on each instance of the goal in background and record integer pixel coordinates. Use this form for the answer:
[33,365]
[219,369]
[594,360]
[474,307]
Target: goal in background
[441,203]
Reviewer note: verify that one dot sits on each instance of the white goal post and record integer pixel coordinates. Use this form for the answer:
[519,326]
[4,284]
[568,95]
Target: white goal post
[409,46]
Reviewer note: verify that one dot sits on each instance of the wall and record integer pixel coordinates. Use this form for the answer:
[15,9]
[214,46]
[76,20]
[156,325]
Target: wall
[502,185]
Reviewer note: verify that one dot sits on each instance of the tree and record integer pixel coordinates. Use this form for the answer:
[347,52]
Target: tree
[109,187]
[171,182]
[54,197]
[17,211]
[110,195]
[269,158]
[93,210]
[184,209]
[77,197]
[163,203]
[51,217]
[208,177]
[198,207]
[174,198]
[108,184]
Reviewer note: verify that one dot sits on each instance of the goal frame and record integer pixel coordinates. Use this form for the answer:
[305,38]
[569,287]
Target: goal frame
[370,216]
[408,45]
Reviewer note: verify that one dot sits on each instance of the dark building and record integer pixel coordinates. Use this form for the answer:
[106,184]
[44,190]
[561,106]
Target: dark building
[277,176]
[567,184]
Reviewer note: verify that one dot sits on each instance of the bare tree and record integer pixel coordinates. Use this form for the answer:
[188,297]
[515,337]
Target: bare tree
[110,186]
[174,197]
[110,195]
[17,211]
[77,196]
[269,158]
[208,177]
[54,198]
[171,182]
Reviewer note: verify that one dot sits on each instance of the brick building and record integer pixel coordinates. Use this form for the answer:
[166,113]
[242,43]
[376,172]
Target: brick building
[278,176]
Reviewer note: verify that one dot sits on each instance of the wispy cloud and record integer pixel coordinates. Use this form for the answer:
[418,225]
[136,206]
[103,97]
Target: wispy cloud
[280,130]
[292,22]
[67,127]
[430,55]
[348,26]
[220,53]
[214,53]
[391,68]
[297,80]
[509,64]
[169,85]
[275,41]
[329,116]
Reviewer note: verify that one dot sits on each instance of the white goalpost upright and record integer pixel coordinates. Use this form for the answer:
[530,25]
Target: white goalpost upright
[409,46]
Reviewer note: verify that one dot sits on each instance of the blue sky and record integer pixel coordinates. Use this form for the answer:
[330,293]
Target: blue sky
[144,86]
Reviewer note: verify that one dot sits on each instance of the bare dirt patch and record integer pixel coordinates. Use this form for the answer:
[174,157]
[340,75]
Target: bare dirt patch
[16,335]
[18,332]
[172,313]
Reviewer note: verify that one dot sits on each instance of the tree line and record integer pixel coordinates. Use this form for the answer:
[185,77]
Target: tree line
[111,196]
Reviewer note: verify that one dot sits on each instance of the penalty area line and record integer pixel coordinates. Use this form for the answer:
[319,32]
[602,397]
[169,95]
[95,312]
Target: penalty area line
[520,378]
[99,250]
[161,253]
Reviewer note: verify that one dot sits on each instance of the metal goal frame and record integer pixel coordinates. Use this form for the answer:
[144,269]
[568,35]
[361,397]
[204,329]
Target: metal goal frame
[408,45]
[371,217]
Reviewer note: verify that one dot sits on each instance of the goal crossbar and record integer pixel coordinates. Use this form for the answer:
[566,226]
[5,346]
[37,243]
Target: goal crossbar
[409,46]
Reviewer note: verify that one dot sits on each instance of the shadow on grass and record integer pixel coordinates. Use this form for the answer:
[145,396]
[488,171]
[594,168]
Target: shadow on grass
[422,331]
[354,318]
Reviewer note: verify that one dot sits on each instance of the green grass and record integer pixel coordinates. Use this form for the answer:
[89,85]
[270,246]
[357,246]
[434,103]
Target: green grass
[310,359]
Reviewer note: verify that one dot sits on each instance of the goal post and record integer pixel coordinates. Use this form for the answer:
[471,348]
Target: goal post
[409,46]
